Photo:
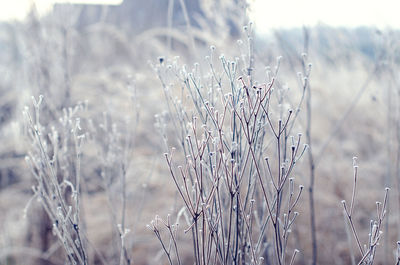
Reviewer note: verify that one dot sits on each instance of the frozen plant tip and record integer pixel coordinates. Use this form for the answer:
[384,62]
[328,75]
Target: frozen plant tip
[368,251]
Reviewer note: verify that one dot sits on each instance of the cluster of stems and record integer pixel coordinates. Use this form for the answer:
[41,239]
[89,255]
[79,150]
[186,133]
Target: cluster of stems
[237,160]
[58,177]
[368,251]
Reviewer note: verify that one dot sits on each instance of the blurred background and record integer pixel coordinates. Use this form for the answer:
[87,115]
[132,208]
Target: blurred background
[100,56]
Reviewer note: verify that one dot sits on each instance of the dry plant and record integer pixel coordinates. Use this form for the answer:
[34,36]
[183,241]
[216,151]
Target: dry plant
[55,163]
[115,148]
[234,128]
[238,151]
[368,250]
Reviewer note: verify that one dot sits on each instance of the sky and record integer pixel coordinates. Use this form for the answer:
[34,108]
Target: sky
[270,14]
[17,9]
[348,13]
